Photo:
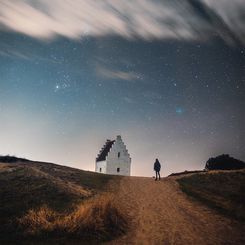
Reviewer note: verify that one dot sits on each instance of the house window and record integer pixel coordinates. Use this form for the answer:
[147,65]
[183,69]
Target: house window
[100,170]
[118,170]
[118,154]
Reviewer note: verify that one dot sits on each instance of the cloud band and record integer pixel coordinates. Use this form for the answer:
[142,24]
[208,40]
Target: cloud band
[146,19]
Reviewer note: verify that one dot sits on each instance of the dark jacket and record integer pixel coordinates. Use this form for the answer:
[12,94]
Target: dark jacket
[157,166]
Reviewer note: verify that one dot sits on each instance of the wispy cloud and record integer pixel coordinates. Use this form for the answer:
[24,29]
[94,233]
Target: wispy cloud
[147,19]
[13,53]
[117,74]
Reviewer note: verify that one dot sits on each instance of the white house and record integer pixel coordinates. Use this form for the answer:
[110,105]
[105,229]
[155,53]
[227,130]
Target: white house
[113,158]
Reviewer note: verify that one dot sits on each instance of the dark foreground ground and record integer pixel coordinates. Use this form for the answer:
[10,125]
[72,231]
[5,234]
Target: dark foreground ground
[44,203]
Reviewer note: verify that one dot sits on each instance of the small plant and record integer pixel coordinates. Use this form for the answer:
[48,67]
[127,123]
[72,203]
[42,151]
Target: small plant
[37,221]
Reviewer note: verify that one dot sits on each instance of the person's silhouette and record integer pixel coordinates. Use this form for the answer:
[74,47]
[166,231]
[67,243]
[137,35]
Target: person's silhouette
[157,168]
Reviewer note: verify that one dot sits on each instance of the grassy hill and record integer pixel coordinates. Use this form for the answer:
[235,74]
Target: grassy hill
[221,190]
[45,203]
[44,199]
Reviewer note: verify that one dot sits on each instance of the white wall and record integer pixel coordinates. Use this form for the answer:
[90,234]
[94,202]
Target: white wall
[123,162]
[102,165]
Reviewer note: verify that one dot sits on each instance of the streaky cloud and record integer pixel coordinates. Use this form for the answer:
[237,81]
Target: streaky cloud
[116,74]
[143,19]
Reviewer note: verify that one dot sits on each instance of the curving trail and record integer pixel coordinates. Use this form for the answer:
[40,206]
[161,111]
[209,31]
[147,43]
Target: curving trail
[162,214]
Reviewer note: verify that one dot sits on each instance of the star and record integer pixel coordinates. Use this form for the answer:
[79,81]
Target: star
[57,88]
[179,111]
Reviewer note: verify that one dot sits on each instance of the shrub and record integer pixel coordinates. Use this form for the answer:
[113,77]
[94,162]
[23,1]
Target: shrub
[12,159]
[224,162]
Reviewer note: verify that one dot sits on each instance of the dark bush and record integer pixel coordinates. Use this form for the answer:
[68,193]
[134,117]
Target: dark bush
[11,159]
[224,162]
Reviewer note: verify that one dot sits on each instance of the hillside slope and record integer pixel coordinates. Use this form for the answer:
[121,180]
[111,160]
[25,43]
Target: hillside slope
[223,191]
[31,185]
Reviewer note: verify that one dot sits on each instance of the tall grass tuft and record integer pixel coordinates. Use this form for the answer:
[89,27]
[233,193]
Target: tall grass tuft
[98,218]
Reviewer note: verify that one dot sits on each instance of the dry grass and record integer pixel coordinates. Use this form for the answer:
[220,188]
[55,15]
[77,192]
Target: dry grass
[98,219]
[221,190]
[46,198]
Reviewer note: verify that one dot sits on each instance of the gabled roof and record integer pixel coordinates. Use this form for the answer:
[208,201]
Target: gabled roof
[105,150]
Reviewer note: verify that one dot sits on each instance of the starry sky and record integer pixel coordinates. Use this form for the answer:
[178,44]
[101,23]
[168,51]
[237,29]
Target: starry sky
[168,76]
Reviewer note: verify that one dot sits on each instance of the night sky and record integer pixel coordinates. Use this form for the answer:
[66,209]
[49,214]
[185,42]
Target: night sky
[168,76]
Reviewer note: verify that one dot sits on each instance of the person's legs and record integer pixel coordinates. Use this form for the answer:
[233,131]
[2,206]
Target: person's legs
[157,174]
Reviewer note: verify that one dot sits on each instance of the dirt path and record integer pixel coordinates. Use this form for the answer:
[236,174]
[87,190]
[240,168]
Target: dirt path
[162,214]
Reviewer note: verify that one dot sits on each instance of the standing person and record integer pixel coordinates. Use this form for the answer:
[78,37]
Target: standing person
[157,168]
